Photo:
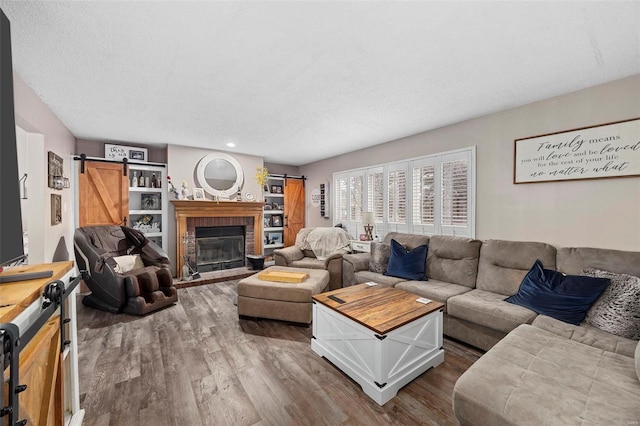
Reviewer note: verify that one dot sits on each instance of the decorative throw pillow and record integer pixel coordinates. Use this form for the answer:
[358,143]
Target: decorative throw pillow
[127,263]
[379,259]
[617,311]
[407,264]
[552,293]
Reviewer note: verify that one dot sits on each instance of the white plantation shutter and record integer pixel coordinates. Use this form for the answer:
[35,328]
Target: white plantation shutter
[341,198]
[356,186]
[423,196]
[397,197]
[455,194]
[375,198]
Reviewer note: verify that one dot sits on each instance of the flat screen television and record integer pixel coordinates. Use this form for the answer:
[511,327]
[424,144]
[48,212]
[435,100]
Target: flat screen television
[11,242]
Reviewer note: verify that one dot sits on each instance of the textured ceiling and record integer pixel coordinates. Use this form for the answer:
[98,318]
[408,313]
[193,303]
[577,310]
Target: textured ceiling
[296,82]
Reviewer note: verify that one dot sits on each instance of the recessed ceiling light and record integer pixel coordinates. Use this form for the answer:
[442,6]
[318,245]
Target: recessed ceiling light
[231,145]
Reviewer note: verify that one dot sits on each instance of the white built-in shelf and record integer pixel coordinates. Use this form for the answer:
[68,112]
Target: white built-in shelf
[273,246]
[273,212]
[153,234]
[276,228]
[270,195]
[145,211]
[144,189]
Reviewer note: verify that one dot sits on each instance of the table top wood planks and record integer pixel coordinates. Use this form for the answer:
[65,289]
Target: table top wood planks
[381,309]
[16,296]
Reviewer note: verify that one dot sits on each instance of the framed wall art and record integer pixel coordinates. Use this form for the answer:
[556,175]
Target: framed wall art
[595,152]
[118,152]
[56,209]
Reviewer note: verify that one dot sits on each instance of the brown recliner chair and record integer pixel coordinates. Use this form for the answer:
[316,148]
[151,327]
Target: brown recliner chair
[138,291]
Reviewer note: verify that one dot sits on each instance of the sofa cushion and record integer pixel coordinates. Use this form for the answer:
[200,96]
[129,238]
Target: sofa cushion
[453,259]
[572,260]
[533,377]
[433,289]
[379,258]
[587,334]
[410,241]
[489,309]
[408,264]
[564,297]
[503,264]
[618,309]
[382,280]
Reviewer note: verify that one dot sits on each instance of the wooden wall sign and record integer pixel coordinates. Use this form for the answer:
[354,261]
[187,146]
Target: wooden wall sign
[55,171]
[595,152]
[56,209]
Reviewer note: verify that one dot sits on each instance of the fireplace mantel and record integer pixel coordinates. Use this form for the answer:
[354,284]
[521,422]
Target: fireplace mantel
[191,209]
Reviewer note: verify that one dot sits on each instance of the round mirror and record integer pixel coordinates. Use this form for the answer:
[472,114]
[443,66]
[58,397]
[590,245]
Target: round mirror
[219,175]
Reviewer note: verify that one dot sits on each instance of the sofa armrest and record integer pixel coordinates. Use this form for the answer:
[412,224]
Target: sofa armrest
[359,261]
[352,263]
[335,255]
[286,256]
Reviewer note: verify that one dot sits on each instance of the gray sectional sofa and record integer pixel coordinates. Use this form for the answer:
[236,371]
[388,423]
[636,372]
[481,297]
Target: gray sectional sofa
[538,370]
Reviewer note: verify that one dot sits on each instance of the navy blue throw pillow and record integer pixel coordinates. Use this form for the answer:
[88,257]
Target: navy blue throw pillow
[407,264]
[564,297]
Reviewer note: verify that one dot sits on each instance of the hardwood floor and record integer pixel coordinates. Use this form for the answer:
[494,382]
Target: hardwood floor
[196,363]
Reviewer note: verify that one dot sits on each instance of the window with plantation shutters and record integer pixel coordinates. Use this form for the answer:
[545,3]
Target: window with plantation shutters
[356,186]
[423,194]
[397,196]
[375,194]
[341,200]
[454,193]
[430,195]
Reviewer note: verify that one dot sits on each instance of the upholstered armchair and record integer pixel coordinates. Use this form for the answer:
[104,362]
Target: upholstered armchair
[125,271]
[317,248]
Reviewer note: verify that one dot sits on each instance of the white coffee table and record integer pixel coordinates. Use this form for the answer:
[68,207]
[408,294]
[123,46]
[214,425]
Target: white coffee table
[380,337]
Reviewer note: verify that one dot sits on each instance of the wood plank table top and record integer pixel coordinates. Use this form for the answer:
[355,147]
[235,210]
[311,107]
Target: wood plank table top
[16,296]
[381,309]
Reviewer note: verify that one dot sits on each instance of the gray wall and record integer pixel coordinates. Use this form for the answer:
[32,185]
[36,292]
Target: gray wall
[36,118]
[597,213]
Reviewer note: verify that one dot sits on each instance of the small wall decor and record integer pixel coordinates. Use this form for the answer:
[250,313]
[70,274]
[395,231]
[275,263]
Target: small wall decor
[276,189]
[595,152]
[55,172]
[56,209]
[118,152]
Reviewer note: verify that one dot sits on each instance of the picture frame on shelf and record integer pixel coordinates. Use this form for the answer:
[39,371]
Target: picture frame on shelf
[276,220]
[266,222]
[150,201]
[275,237]
[265,188]
[276,189]
[198,194]
[275,206]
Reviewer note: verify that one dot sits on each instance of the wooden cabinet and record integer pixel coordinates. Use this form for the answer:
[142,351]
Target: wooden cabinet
[148,201]
[52,396]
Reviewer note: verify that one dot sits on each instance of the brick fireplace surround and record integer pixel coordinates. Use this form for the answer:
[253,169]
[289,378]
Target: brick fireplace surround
[192,214]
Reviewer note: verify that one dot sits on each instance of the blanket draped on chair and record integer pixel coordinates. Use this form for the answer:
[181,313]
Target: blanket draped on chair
[324,241]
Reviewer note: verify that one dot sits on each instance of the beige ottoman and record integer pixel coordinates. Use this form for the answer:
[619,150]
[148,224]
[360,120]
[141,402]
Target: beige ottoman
[281,301]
